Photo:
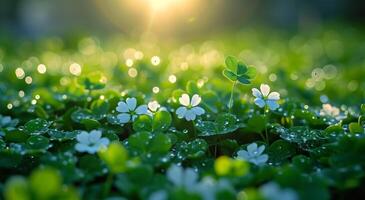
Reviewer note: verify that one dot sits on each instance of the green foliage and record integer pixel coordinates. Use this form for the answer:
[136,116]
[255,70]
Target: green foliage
[115,157]
[314,150]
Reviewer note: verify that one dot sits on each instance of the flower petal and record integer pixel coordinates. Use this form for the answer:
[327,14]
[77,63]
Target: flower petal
[93,149]
[261,149]
[260,102]
[104,142]
[184,100]
[80,147]
[132,103]
[274,96]
[198,110]
[190,115]
[256,93]
[141,110]
[122,107]
[273,105]
[251,149]
[83,137]
[181,112]
[195,100]
[124,118]
[262,159]
[265,89]
[94,136]
[153,106]
[243,154]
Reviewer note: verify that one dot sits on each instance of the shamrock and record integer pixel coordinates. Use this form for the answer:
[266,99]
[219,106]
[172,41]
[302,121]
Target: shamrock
[238,71]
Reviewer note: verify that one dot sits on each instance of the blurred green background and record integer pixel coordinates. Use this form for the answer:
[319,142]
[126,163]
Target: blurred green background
[312,50]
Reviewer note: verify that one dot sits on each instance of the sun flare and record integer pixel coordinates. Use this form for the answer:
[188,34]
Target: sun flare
[159,5]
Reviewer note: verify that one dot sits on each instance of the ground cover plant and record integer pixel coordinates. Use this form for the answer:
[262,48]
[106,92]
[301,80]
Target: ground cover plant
[241,117]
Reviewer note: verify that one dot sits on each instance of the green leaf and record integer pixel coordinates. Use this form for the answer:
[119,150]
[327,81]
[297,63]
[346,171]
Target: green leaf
[90,124]
[308,139]
[36,126]
[160,143]
[231,63]
[148,142]
[16,135]
[62,135]
[230,75]
[115,157]
[336,128]
[303,163]
[143,123]
[355,128]
[41,112]
[81,114]
[206,128]
[244,79]
[161,121]
[241,68]
[251,72]
[91,164]
[140,140]
[140,175]
[226,123]
[257,123]
[281,150]
[192,149]
[210,100]
[37,142]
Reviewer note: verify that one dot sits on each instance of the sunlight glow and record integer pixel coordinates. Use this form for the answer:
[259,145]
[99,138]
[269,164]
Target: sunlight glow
[158,5]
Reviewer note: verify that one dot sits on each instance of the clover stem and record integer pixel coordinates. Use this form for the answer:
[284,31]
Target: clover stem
[230,103]
[263,137]
[359,120]
[108,185]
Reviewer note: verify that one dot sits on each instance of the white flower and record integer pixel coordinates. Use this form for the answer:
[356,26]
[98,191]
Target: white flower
[153,106]
[329,110]
[129,110]
[264,97]
[254,154]
[91,142]
[272,191]
[189,110]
